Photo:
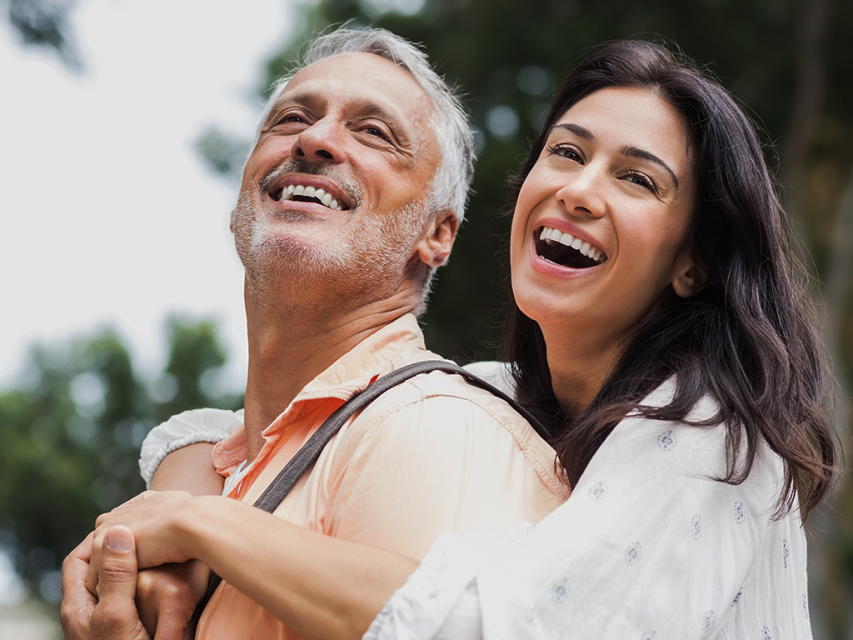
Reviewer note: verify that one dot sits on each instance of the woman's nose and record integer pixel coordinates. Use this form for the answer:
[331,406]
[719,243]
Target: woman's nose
[584,193]
[320,142]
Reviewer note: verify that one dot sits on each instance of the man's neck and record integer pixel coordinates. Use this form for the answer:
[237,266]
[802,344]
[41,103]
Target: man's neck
[287,350]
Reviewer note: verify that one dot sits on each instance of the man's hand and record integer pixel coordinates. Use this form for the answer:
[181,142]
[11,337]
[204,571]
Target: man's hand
[112,615]
[167,596]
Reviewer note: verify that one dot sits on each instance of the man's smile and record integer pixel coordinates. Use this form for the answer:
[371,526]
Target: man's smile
[297,186]
[302,193]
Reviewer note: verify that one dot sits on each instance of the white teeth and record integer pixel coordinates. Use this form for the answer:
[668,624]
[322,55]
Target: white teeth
[291,190]
[550,235]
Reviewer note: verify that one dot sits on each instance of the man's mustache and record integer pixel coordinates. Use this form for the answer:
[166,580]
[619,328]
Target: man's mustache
[351,188]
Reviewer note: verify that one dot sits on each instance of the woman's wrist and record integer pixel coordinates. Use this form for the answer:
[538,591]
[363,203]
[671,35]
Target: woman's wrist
[196,524]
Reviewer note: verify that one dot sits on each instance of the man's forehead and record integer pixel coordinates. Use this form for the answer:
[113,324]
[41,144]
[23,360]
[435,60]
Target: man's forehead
[364,78]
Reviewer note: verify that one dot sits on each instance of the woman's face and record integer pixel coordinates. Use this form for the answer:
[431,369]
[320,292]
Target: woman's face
[615,183]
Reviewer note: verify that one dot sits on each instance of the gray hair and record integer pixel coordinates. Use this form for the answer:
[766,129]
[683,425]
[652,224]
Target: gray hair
[452,181]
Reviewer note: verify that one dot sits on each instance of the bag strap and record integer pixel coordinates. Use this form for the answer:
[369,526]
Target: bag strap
[310,451]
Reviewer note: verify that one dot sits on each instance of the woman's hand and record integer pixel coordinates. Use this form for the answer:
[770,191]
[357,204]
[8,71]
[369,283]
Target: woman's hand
[167,596]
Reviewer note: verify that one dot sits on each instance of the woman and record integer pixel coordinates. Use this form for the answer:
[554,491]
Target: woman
[662,330]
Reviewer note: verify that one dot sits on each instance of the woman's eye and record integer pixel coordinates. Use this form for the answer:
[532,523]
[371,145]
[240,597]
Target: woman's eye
[565,151]
[643,181]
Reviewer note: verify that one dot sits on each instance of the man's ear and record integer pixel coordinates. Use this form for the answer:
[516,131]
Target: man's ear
[434,248]
[233,218]
[689,277]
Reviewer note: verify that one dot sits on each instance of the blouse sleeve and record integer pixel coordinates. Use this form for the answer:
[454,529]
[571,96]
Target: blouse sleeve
[649,545]
[189,427]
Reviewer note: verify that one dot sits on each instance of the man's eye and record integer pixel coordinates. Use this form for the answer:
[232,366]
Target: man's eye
[287,118]
[376,131]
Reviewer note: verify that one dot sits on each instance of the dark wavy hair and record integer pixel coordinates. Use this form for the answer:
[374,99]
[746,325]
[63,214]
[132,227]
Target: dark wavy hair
[748,338]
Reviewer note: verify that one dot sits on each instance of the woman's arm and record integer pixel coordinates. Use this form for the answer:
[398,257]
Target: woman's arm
[649,545]
[321,587]
[183,430]
[189,469]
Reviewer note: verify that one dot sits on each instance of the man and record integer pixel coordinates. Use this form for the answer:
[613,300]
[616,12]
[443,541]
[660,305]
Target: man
[350,200]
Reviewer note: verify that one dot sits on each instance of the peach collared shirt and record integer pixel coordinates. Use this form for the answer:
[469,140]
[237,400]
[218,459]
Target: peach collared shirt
[431,456]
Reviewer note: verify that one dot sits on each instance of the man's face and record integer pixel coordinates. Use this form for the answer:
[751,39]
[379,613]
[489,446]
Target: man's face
[355,129]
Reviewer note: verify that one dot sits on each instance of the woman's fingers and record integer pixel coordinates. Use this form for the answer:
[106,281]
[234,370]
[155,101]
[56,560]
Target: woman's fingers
[149,517]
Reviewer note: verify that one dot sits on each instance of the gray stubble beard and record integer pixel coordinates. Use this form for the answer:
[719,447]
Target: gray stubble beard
[285,273]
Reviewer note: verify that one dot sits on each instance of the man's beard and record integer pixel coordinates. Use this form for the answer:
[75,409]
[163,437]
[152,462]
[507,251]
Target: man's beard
[366,263]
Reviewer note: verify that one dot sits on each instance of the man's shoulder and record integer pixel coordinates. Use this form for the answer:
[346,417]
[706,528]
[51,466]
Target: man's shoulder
[437,410]
[442,392]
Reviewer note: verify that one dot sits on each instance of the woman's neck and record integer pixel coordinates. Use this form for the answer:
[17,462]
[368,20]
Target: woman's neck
[579,365]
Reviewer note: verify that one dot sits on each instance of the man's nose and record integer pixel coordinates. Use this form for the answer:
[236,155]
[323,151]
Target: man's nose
[321,142]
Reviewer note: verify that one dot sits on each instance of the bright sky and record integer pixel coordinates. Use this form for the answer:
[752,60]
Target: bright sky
[108,216]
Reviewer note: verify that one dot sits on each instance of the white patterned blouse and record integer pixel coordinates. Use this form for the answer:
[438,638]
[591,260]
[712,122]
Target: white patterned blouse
[648,547]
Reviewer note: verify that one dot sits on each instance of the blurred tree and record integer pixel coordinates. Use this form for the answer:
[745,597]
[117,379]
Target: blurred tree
[72,432]
[46,23]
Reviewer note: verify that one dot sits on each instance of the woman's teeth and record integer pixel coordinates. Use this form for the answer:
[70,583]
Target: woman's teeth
[553,236]
[320,195]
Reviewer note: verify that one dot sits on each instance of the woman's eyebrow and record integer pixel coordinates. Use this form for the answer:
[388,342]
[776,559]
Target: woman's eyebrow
[634,152]
[579,131]
[628,151]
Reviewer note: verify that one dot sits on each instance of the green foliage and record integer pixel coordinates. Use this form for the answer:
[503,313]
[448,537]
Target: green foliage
[71,435]
[223,152]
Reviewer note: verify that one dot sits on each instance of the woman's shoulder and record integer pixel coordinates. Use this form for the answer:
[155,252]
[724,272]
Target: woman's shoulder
[697,448]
